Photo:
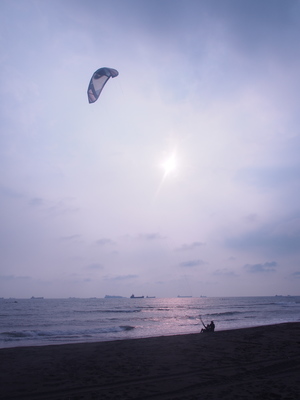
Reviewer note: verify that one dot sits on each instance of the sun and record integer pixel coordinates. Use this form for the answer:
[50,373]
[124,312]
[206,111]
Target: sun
[169,165]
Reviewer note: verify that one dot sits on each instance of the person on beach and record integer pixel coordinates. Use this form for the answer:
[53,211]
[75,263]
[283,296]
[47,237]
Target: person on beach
[209,327]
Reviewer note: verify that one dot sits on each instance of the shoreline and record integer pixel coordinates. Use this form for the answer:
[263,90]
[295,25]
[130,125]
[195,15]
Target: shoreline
[54,343]
[243,363]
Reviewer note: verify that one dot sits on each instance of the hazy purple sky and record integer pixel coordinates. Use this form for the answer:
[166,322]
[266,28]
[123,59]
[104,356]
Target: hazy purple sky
[86,206]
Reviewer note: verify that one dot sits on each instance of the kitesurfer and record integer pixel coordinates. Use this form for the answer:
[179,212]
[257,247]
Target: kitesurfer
[209,327]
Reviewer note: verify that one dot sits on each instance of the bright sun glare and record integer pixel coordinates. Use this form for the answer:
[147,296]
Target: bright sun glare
[169,165]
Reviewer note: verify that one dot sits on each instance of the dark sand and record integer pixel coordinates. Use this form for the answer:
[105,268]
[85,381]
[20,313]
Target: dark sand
[255,363]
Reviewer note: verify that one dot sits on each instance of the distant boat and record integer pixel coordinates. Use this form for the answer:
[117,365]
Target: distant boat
[203,297]
[136,297]
[150,297]
[183,297]
[37,298]
[107,296]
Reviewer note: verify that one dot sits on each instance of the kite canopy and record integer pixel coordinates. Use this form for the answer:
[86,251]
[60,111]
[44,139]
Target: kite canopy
[98,81]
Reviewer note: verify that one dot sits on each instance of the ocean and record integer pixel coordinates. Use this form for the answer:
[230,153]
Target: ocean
[38,321]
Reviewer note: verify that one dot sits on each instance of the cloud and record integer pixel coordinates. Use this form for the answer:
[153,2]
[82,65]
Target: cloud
[278,237]
[150,236]
[296,275]
[225,272]
[258,268]
[192,263]
[70,238]
[232,258]
[104,242]
[13,277]
[10,193]
[121,277]
[269,177]
[192,246]
[95,266]
[60,208]
[251,218]
[36,202]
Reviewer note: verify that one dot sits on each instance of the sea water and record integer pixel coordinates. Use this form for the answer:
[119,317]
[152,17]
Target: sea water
[34,322]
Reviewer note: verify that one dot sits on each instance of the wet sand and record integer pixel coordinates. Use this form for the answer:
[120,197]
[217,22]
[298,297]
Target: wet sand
[253,363]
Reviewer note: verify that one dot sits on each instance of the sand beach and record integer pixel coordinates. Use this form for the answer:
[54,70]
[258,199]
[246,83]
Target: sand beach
[252,363]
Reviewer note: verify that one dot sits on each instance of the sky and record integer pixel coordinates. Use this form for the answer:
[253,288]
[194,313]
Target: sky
[182,179]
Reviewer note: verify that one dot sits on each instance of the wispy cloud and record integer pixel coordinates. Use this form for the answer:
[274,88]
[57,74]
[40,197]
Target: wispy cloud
[10,193]
[121,277]
[70,238]
[296,275]
[95,266]
[258,268]
[279,237]
[191,246]
[225,272]
[36,202]
[271,176]
[13,277]
[150,236]
[192,263]
[104,242]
